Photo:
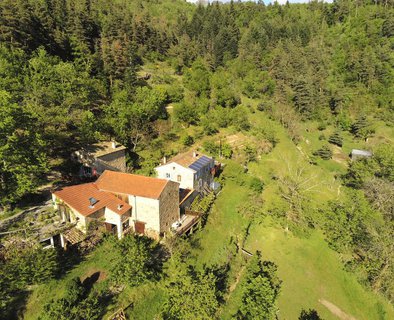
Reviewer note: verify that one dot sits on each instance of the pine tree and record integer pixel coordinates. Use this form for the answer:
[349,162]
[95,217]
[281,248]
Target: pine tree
[336,139]
[362,128]
[324,152]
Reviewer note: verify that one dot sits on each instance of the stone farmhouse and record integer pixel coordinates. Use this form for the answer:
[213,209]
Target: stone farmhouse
[192,170]
[121,203]
[101,156]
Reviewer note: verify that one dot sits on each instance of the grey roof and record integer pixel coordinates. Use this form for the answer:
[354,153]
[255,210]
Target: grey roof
[200,163]
[365,153]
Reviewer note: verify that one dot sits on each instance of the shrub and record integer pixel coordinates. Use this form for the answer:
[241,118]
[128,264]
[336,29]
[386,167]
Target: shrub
[187,140]
[209,127]
[239,119]
[186,114]
[250,153]
[211,147]
[227,151]
[322,126]
[261,106]
[256,185]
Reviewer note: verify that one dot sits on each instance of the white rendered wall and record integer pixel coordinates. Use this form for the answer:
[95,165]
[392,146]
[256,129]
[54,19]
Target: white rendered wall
[174,169]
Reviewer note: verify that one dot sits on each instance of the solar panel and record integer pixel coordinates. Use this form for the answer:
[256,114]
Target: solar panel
[92,201]
[200,163]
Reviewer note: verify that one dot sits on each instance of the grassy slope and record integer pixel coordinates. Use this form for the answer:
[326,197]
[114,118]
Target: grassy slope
[310,270]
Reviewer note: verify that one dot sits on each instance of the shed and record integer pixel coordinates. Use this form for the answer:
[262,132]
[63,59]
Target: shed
[357,154]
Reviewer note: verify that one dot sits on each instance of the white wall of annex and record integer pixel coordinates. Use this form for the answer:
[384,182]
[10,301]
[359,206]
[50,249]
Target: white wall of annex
[174,169]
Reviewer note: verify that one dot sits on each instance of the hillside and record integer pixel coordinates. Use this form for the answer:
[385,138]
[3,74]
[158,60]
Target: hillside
[279,95]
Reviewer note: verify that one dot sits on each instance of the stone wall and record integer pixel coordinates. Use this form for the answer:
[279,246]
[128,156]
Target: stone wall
[169,206]
[116,160]
[146,210]
[6,223]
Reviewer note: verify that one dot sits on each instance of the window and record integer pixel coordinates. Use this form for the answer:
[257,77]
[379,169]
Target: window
[179,178]
[168,176]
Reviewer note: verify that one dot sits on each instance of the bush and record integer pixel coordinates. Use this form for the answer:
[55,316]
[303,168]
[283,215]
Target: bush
[209,127]
[186,113]
[261,106]
[187,140]
[175,93]
[322,137]
[322,126]
[211,147]
[250,153]
[256,185]
[227,151]
[239,119]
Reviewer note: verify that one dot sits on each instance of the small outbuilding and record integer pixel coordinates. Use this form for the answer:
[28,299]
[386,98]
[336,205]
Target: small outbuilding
[101,156]
[359,154]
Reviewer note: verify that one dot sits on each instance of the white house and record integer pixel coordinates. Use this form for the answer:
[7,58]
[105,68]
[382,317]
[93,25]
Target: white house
[191,170]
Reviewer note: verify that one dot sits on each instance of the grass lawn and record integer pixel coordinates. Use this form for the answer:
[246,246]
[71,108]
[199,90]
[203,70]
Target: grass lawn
[310,270]
[224,224]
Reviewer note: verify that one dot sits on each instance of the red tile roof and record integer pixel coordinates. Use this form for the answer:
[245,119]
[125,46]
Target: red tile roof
[131,184]
[77,197]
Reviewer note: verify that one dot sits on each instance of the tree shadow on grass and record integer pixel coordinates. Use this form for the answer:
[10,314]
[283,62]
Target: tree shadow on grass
[68,260]
[91,280]
[17,308]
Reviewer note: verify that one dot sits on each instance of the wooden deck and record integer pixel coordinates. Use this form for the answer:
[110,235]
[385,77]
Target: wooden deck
[188,220]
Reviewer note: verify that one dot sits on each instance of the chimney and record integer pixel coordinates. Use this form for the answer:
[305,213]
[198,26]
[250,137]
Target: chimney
[113,144]
[164,160]
[120,206]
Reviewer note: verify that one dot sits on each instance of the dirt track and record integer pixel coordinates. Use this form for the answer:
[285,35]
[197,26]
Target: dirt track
[335,310]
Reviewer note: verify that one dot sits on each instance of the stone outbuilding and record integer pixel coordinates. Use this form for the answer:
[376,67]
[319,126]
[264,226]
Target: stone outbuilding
[101,156]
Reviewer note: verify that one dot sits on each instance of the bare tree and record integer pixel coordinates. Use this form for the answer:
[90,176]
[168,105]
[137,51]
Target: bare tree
[295,186]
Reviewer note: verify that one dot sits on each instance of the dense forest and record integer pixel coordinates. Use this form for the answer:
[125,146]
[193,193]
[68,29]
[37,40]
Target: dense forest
[160,76]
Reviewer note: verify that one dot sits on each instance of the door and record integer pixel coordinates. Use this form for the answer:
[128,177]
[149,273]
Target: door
[111,228]
[139,227]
